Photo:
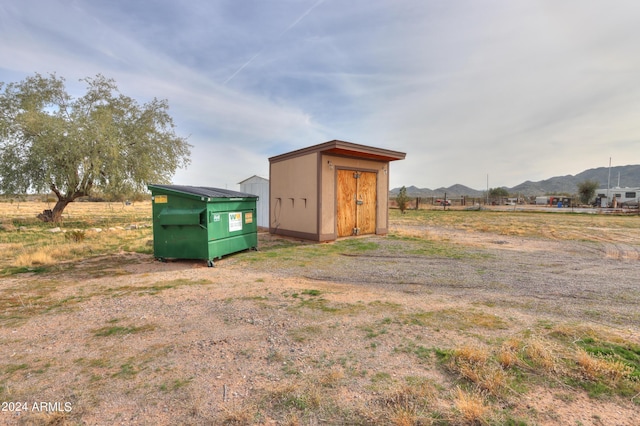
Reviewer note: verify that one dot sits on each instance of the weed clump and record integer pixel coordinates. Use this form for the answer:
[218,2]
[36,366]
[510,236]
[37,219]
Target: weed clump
[474,364]
[609,369]
[470,407]
[34,258]
[508,353]
[540,353]
[75,236]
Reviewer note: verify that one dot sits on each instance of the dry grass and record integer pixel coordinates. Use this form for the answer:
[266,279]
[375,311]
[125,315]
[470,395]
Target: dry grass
[582,227]
[331,378]
[594,368]
[471,407]
[497,371]
[6,225]
[475,364]
[34,258]
[472,355]
[508,353]
[46,419]
[166,339]
[540,353]
[409,403]
[87,229]
[237,414]
[290,397]
[76,210]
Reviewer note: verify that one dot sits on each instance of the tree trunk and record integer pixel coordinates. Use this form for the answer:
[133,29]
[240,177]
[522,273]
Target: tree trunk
[54,215]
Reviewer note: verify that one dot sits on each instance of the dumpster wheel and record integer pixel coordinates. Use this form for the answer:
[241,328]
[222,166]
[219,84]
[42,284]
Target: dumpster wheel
[210,263]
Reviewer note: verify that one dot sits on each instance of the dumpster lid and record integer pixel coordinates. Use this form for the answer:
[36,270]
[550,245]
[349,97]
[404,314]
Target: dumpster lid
[204,191]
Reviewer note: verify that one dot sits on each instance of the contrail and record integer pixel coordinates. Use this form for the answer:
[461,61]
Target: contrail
[301,17]
[296,22]
[242,67]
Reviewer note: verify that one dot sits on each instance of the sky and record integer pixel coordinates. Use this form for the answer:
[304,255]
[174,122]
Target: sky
[475,92]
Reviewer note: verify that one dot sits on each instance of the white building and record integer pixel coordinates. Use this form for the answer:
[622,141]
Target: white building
[259,186]
[617,197]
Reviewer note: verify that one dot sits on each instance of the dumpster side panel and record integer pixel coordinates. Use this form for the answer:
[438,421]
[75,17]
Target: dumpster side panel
[181,242]
[178,230]
[219,248]
[232,226]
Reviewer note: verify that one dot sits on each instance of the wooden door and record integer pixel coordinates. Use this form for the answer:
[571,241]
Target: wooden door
[356,202]
[366,203]
[346,203]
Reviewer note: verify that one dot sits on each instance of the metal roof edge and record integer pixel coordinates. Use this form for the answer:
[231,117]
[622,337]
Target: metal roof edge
[336,144]
[202,191]
[251,177]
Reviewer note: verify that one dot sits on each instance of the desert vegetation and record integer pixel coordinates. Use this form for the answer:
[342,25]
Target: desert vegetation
[429,325]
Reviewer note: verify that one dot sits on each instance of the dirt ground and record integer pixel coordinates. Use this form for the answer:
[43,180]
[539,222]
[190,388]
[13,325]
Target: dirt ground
[305,339]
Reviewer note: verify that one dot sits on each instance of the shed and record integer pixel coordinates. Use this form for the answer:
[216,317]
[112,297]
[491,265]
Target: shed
[331,190]
[259,186]
[197,222]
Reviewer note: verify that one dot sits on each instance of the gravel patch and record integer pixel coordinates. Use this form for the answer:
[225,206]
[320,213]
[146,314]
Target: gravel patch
[127,340]
[596,282]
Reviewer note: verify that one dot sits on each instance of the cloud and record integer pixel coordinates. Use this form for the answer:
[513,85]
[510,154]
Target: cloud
[515,100]
[518,90]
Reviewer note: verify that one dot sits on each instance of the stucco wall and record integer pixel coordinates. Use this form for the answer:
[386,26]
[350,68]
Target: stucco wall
[293,195]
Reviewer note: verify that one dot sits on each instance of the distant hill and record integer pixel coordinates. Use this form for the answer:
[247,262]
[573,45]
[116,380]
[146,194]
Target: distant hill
[453,191]
[629,177]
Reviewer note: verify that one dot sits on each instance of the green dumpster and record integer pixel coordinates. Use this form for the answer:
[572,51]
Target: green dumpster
[197,222]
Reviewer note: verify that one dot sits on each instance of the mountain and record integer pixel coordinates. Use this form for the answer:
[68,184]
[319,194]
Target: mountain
[453,191]
[629,177]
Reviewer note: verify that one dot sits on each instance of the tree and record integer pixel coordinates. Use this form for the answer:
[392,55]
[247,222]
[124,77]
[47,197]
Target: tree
[402,199]
[102,140]
[586,190]
[498,192]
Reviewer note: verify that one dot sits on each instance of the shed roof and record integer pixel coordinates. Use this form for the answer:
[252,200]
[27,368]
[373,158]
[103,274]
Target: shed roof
[348,149]
[204,191]
[255,178]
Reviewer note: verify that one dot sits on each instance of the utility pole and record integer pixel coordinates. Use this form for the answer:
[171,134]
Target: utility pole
[487,201]
[609,182]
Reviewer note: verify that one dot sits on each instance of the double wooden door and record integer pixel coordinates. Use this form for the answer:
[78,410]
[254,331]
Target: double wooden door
[356,202]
